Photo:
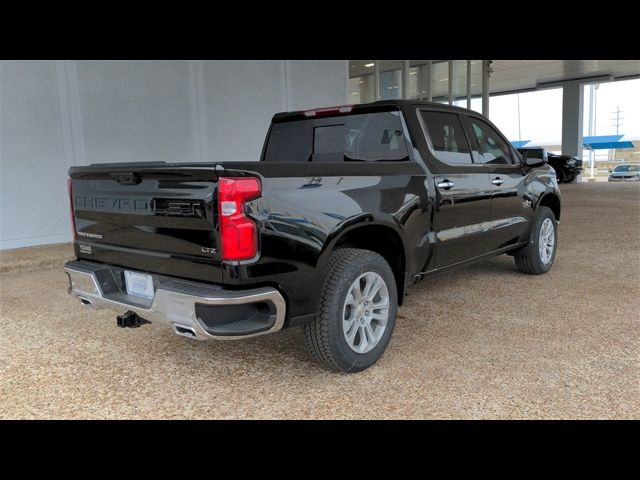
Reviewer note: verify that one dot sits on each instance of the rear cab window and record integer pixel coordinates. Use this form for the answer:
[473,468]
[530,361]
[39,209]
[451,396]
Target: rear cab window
[364,137]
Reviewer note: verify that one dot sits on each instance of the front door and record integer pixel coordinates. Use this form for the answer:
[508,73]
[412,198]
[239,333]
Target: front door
[509,209]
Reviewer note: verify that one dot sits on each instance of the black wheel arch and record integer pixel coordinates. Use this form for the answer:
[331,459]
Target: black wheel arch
[551,200]
[377,236]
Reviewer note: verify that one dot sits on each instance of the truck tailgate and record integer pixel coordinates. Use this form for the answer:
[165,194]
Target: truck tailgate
[154,217]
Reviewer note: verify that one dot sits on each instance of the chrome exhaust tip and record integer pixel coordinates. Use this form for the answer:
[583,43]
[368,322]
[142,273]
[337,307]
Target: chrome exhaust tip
[184,331]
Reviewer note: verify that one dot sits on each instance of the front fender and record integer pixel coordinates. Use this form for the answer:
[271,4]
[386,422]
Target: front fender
[543,190]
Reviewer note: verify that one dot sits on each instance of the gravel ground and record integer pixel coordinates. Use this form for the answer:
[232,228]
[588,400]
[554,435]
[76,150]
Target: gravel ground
[482,342]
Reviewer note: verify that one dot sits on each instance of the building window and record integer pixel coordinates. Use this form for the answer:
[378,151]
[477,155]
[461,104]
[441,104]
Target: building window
[361,89]
[390,85]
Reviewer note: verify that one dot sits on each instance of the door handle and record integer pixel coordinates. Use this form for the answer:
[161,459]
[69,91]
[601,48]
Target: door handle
[497,181]
[446,184]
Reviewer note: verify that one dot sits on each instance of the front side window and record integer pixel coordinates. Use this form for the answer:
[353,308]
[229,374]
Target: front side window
[366,137]
[627,168]
[447,137]
[493,149]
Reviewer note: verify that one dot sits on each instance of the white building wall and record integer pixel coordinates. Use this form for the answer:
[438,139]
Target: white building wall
[55,114]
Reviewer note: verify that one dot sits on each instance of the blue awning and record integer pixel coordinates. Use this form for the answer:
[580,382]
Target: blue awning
[605,145]
[601,142]
[519,143]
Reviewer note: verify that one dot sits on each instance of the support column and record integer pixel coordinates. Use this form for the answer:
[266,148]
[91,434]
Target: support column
[450,82]
[592,124]
[430,81]
[468,84]
[376,80]
[405,79]
[572,119]
[485,88]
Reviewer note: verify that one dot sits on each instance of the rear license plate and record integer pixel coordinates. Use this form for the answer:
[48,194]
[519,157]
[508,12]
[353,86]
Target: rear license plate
[139,284]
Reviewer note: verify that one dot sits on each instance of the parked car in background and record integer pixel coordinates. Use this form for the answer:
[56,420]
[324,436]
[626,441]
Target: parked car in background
[567,167]
[627,172]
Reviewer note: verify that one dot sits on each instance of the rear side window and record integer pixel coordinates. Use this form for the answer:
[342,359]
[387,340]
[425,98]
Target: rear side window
[368,137]
[447,137]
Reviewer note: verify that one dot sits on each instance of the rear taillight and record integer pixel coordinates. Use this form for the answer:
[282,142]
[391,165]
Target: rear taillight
[238,233]
[72,209]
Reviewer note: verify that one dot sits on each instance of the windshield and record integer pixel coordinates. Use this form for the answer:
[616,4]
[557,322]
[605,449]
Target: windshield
[627,168]
[367,137]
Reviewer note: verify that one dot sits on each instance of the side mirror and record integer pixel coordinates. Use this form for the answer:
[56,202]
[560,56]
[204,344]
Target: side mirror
[534,162]
[534,158]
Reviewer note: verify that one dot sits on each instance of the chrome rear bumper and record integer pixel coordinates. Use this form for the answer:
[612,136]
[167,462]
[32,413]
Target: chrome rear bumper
[188,307]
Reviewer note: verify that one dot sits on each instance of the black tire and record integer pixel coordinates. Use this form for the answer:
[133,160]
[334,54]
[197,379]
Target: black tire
[324,336]
[528,259]
[560,176]
[570,179]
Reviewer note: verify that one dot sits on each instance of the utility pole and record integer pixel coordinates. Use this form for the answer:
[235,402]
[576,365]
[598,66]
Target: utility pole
[592,124]
[519,131]
[618,119]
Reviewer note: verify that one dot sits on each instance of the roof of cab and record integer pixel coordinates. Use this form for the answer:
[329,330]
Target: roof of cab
[380,105]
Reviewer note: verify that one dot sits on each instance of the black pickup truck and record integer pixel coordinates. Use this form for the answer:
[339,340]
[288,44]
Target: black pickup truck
[347,207]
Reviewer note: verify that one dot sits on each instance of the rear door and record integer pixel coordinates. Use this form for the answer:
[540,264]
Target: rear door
[462,207]
[159,218]
[509,210]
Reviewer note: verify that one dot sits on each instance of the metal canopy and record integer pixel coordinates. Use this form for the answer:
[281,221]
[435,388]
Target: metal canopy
[602,142]
[515,75]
